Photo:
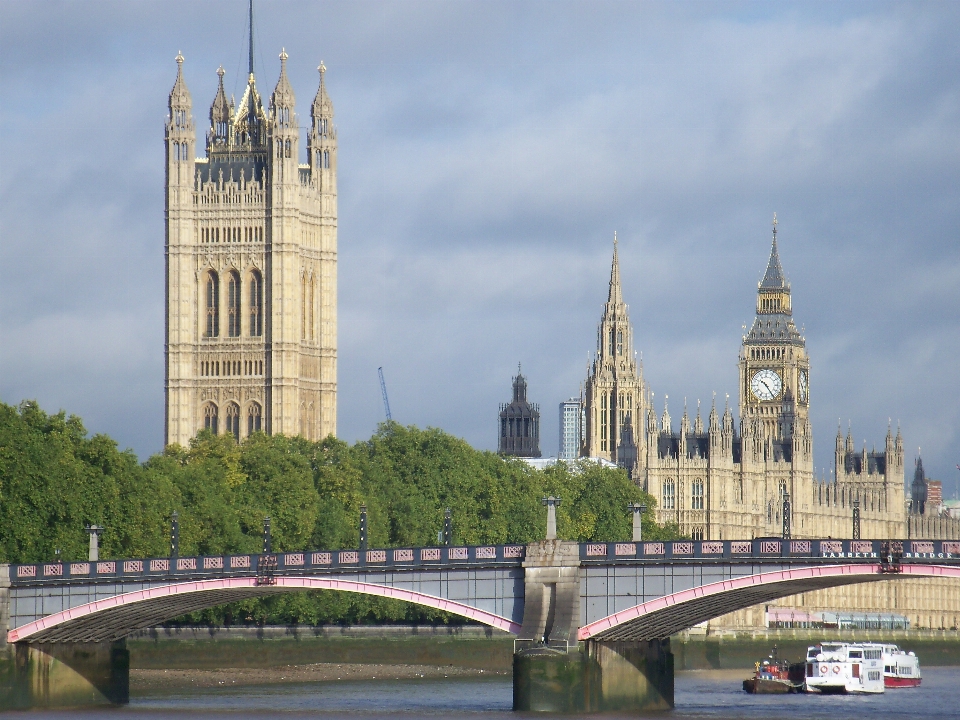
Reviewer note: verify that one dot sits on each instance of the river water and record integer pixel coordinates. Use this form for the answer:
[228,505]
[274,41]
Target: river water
[699,694]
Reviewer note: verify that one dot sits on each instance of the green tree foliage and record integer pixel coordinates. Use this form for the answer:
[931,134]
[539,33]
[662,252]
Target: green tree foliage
[54,480]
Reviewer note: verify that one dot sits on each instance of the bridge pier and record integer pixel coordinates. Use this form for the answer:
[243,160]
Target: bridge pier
[62,675]
[552,672]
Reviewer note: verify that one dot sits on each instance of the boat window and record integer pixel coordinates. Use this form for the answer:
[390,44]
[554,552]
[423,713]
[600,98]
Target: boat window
[856,654]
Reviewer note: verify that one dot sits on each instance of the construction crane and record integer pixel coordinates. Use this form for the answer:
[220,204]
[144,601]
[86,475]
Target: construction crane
[383,389]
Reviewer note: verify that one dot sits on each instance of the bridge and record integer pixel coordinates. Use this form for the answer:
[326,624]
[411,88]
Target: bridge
[595,605]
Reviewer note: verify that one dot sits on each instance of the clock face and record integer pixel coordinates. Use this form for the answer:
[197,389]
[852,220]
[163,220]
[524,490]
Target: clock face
[802,382]
[766,385]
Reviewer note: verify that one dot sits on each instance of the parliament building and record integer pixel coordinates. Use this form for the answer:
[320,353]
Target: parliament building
[717,478]
[251,264]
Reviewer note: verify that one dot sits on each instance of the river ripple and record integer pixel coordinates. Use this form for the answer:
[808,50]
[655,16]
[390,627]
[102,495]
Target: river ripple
[708,694]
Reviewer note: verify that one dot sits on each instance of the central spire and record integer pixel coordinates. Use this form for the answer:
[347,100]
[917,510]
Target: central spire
[616,294]
[773,278]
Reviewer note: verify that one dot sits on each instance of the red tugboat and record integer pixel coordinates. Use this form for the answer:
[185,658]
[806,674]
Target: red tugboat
[775,676]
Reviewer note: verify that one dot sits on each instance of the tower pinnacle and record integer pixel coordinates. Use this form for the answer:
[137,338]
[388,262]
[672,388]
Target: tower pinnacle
[616,294]
[250,71]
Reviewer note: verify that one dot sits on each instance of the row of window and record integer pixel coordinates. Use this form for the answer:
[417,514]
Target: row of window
[211,418]
[770,304]
[615,342]
[518,427]
[767,353]
[284,148]
[227,368]
[254,308]
[180,151]
[669,495]
[231,234]
[323,159]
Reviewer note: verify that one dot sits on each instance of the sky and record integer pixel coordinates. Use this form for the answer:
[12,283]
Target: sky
[488,151]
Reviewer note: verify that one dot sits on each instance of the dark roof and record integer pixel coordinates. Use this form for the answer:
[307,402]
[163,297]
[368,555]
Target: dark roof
[773,278]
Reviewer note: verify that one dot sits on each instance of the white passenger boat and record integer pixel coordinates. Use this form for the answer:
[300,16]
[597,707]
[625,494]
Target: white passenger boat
[900,669]
[845,668]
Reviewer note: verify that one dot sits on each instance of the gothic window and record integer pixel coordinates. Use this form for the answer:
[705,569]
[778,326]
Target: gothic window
[256,304]
[326,160]
[233,420]
[619,342]
[286,148]
[697,533]
[313,285]
[210,416]
[212,305]
[610,345]
[603,421]
[697,496]
[253,418]
[503,427]
[233,305]
[669,495]
[303,307]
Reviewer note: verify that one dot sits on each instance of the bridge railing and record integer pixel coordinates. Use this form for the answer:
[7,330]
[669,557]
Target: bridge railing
[281,563]
[763,549]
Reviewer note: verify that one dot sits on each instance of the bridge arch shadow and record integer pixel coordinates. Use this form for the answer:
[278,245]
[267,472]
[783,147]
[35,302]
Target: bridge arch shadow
[670,614]
[115,617]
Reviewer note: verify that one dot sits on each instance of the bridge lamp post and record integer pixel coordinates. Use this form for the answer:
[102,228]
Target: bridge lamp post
[94,531]
[551,503]
[447,528]
[856,519]
[174,534]
[266,535]
[786,515]
[363,528]
[638,511]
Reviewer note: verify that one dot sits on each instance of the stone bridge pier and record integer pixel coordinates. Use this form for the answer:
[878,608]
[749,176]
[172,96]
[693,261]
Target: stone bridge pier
[57,675]
[552,672]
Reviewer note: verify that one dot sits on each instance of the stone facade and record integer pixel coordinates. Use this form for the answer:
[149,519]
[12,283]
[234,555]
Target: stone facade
[251,266]
[724,479]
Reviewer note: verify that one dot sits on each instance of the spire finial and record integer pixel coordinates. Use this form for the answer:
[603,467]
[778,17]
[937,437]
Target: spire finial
[179,58]
[321,68]
[220,73]
[251,40]
[774,226]
[283,56]
[616,294]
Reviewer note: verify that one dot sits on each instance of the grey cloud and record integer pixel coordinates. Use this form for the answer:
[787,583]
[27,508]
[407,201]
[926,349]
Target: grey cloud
[487,153]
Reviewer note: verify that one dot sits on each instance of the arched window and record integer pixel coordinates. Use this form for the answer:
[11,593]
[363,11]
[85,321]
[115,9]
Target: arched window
[669,495]
[697,496]
[233,305]
[286,148]
[313,287]
[697,533]
[233,420]
[213,305]
[256,304]
[253,418]
[619,342]
[610,345]
[210,417]
[303,307]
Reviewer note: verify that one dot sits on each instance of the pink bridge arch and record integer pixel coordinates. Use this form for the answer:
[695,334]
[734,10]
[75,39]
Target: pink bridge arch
[669,614]
[113,618]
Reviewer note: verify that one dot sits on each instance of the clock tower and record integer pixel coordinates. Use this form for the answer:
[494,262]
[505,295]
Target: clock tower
[774,367]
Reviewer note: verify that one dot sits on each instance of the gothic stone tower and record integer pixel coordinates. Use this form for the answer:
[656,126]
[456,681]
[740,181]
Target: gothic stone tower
[615,399]
[777,441]
[520,423]
[251,266]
